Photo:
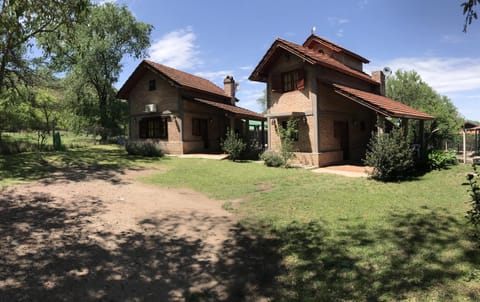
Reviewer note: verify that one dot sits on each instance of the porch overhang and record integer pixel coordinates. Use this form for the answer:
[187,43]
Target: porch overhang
[289,114]
[380,104]
[235,111]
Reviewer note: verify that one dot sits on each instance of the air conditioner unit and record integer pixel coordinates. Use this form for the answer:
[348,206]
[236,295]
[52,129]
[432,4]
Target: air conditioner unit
[151,108]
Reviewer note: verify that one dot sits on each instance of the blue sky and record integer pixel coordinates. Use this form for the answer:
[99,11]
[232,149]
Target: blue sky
[215,38]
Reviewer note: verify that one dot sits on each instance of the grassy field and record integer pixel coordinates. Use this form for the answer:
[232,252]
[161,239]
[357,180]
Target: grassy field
[318,237]
[348,239]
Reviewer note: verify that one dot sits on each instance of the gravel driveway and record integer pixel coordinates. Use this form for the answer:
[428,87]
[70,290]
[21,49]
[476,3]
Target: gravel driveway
[115,239]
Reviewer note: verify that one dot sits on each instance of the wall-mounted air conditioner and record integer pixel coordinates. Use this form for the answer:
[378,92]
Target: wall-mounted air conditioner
[151,108]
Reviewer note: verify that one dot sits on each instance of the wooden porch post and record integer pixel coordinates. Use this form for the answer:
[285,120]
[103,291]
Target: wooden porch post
[380,124]
[232,123]
[464,145]
[262,135]
[421,126]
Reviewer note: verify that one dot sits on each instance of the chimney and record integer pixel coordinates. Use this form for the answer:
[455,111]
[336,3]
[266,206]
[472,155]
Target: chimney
[379,77]
[229,87]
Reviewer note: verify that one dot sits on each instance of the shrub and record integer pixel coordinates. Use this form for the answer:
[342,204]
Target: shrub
[233,145]
[252,150]
[440,159]
[391,156]
[474,213]
[143,148]
[272,159]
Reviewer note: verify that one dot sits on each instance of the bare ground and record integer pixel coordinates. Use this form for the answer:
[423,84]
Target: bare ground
[105,237]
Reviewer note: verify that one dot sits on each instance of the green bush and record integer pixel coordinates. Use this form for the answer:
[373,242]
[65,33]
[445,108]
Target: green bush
[143,148]
[233,145]
[474,213]
[272,159]
[438,160]
[287,138]
[391,156]
[252,150]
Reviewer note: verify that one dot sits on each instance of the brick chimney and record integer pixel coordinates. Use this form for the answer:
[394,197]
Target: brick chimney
[229,87]
[379,77]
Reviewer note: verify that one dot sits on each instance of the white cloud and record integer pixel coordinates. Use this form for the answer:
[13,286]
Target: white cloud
[340,33]
[362,4]
[452,39]
[446,75]
[335,21]
[176,49]
[248,67]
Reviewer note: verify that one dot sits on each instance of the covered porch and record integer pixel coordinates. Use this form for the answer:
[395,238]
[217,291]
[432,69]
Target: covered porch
[206,122]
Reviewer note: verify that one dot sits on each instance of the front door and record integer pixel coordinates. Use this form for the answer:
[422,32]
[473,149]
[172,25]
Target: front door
[341,132]
[204,132]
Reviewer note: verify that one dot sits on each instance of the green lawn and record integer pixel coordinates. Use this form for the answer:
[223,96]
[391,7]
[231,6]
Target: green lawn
[345,238]
[319,237]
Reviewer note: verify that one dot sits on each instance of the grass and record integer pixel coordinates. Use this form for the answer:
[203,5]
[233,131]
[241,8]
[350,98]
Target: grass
[349,238]
[339,238]
[99,161]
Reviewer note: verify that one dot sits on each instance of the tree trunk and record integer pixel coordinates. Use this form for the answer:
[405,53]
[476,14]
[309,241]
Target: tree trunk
[103,119]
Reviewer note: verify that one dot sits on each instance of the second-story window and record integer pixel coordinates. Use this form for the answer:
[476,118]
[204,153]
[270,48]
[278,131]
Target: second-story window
[293,80]
[152,85]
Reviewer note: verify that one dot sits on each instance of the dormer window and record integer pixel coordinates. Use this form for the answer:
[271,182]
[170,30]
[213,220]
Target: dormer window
[152,85]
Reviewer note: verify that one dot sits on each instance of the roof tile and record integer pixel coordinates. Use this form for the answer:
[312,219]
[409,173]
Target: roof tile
[231,108]
[393,108]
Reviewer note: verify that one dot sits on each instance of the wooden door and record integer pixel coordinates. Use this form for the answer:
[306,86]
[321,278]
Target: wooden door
[340,130]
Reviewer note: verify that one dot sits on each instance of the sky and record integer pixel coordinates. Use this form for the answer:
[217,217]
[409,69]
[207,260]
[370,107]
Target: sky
[214,38]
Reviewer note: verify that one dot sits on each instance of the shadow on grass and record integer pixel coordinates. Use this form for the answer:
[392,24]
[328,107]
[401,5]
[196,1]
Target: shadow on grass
[50,252]
[73,165]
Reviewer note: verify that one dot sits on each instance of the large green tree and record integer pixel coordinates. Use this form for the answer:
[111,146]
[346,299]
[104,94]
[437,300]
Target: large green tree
[93,56]
[24,21]
[408,87]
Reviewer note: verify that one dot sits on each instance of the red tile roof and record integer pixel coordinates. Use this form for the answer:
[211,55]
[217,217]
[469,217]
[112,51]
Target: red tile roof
[180,78]
[380,103]
[476,128]
[310,56]
[333,46]
[242,112]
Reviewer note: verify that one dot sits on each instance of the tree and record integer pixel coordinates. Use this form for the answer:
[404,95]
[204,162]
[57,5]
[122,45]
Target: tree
[94,53]
[263,101]
[469,12]
[407,87]
[22,21]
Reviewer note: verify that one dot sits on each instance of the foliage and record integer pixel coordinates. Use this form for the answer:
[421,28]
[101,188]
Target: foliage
[143,148]
[474,213]
[262,101]
[438,159]
[469,12]
[233,145]
[23,21]
[390,155]
[407,87]
[93,60]
[252,150]
[287,139]
[272,159]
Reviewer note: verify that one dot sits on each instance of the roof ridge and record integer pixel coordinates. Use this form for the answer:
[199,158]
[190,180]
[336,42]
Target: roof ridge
[184,73]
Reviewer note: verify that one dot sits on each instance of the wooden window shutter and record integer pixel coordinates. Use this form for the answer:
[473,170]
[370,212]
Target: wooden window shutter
[301,79]
[143,128]
[276,82]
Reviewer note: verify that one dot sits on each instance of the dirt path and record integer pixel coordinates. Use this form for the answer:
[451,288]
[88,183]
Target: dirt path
[98,239]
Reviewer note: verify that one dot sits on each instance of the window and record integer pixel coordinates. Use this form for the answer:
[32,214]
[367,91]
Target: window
[199,126]
[294,135]
[152,85]
[293,80]
[155,127]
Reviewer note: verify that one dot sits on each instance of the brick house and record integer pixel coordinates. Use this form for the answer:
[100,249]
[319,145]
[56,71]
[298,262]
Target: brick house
[337,104]
[181,112]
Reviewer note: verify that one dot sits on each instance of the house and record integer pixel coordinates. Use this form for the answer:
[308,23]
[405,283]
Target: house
[338,106]
[181,112]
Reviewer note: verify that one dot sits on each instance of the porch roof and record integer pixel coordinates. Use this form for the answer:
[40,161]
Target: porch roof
[380,104]
[235,110]
[476,128]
